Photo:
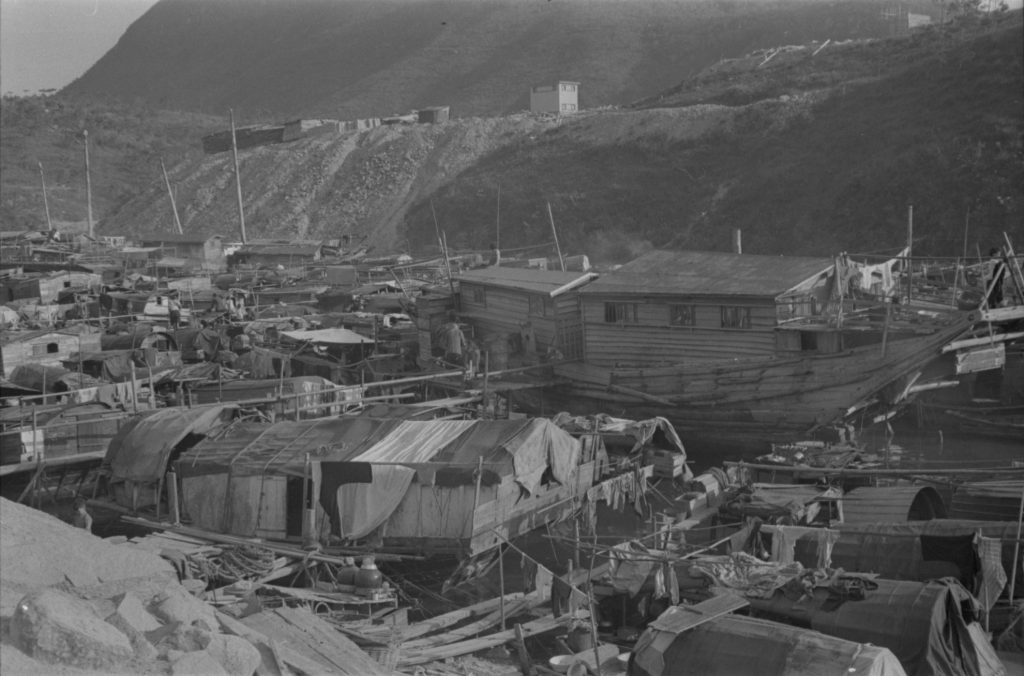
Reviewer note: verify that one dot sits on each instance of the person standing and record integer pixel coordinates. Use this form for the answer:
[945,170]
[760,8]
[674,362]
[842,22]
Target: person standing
[81,518]
[173,311]
[453,341]
[994,279]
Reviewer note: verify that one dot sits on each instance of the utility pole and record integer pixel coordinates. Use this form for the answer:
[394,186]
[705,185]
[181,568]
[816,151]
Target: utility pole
[88,183]
[46,202]
[170,193]
[238,178]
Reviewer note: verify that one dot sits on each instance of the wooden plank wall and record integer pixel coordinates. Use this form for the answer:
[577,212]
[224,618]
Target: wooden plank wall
[506,309]
[435,512]
[652,341]
[203,499]
[21,352]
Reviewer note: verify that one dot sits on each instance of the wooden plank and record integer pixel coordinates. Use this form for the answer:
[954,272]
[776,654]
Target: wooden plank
[538,626]
[680,618]
[465,632]
[436,623]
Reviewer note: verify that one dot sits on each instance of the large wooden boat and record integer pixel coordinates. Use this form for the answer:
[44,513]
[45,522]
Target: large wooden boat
[739,349]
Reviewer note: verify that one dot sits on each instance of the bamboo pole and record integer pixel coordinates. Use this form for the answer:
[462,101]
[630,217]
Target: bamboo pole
[910,252]
[88,183]
[46,202]
[170,193]
[558,248]
[238,177]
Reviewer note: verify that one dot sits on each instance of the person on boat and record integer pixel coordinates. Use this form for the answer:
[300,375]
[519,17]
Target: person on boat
[173,311]
[994,278]
[453,340]
[495,258]
[81,518]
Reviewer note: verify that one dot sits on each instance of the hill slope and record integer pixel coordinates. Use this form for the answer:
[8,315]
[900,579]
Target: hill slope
[351,58]
[806,154]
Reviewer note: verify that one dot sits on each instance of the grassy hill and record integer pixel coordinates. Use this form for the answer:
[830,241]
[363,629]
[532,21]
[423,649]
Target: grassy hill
[352,58]
[126,144]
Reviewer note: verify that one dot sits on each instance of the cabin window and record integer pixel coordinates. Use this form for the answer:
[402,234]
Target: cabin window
[67,285]
[735,317]
[681,315]
[620,313]
[48,348]
[540,306]
[479,295]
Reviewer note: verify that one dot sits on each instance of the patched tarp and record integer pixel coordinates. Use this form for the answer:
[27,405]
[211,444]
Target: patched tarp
[364,506]
[657,432]
[141,449]
[364,466]
[733,645]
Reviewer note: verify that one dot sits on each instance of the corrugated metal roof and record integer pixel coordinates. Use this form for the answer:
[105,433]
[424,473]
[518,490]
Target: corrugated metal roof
[551,282]
[892,504]
[714,273]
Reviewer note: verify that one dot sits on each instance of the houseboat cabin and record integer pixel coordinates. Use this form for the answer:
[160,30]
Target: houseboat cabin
[534,311]
[670,307]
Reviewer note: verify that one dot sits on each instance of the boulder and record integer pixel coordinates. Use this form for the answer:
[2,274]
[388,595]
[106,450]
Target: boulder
[197,664]
[56,627]
[144,650]
[131,610]
[175,604]
[235,654]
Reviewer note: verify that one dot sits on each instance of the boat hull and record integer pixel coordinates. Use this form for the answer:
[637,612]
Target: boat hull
[751,403]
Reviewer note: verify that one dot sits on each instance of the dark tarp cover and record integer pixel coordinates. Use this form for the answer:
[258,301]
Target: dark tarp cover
[734,645]
[141,449]
[926,625]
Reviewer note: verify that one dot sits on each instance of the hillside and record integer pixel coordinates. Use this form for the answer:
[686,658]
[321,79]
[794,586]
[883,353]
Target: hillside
[806,154]
[933,120]
[348,59]
[126,144]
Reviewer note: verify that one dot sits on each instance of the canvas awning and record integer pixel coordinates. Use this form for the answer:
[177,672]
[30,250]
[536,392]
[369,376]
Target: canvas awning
[335,336]
[141,449]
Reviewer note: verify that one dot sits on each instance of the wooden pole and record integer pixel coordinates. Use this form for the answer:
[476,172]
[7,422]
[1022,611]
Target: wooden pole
[172,498]
[497,225]
[170,193]
[88,183]
[1016,548]
[501,579]
[558,248]
[967,225]
[525,666]
[238,177]
[593,612]
[910,252]
[46,202]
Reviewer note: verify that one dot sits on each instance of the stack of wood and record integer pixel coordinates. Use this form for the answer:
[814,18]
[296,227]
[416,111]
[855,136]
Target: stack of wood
[667,464]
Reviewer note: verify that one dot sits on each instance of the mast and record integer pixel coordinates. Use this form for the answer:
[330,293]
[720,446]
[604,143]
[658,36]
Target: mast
[46,202]
[88,182]
[174,208]
[238,178]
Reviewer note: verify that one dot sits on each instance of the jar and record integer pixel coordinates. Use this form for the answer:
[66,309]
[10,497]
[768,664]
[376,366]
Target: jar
[580,639]
[347,573]
[368,577]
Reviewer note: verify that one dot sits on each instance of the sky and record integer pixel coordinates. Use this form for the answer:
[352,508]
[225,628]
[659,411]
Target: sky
[48,43]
